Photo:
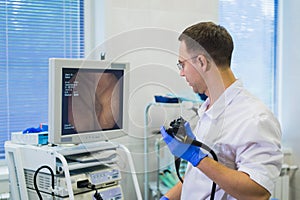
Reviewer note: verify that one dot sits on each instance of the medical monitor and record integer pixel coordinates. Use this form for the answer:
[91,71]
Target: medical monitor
[87,100]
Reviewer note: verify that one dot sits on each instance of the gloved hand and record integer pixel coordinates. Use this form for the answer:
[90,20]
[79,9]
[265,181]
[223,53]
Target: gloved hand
[189,131]
[191,153]
[164,198]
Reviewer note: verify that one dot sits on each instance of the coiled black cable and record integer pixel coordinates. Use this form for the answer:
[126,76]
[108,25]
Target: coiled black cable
[97,195]
[35,180]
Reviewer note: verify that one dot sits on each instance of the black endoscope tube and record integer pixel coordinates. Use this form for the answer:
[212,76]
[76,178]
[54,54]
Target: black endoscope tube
[177,162]
[201,145]
[178,132]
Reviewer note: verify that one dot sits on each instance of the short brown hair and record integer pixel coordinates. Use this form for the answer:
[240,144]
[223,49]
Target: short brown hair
[212,38]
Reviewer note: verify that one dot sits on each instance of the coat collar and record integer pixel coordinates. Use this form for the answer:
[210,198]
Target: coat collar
[222,102]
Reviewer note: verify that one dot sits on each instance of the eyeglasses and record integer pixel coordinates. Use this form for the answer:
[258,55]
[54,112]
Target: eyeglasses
[180,64]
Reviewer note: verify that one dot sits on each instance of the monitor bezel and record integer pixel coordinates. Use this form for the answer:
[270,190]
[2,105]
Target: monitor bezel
[56,66]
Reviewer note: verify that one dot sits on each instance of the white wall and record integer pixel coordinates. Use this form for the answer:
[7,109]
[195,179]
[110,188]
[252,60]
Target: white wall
[145,34]
[289,85]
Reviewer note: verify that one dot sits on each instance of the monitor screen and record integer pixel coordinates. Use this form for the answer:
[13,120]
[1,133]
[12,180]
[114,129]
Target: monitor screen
[87,100]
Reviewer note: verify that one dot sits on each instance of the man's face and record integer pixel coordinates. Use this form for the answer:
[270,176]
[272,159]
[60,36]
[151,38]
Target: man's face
[191,69]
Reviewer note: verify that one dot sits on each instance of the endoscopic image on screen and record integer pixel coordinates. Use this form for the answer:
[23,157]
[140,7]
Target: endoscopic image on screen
[92,100]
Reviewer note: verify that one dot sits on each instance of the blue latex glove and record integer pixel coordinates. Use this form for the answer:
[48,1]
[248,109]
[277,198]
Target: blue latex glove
[164,198]
[189,131]
[33,130]
[191,153]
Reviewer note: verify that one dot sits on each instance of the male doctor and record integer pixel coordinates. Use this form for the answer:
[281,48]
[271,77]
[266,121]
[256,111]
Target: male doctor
[241,130]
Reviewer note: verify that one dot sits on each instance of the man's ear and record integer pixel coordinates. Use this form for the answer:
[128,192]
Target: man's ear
[203,63]
[200,61]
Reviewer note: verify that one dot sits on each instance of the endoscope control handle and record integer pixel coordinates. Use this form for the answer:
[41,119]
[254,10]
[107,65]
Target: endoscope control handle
[177,130]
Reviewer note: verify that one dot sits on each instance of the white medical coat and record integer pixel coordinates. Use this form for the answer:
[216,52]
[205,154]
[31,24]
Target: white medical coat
[245,136]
